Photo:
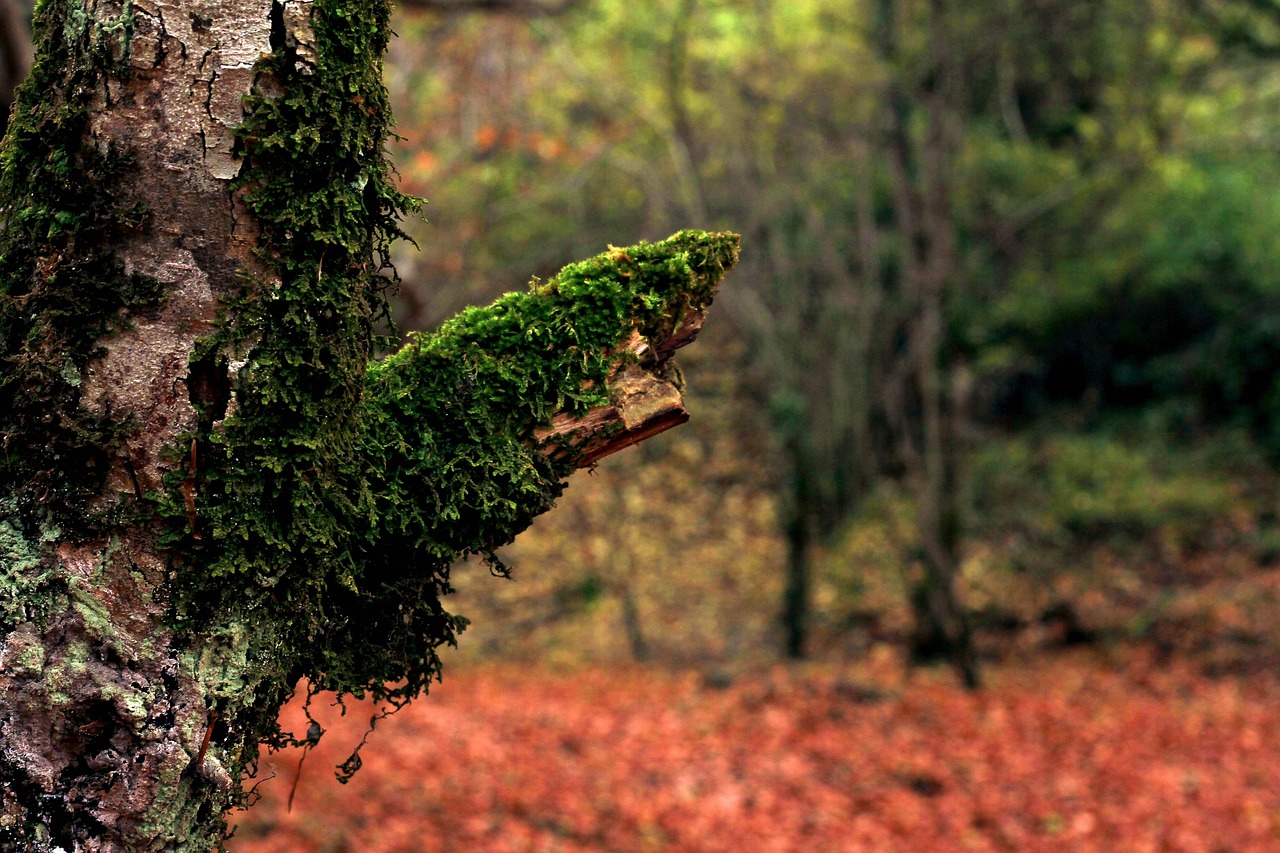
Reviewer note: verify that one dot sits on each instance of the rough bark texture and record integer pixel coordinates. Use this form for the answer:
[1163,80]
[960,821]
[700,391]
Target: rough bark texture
[102,709]
[208,490]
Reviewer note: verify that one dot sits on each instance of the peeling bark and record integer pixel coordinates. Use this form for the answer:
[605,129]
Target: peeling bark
[644,400]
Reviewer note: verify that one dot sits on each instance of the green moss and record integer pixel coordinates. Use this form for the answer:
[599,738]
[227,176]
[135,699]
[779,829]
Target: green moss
[24,654]
[279,481]
[221,664]
[28,588]
[449,449]
[336,495]
[443,447]
[93,613]
[61,291]
[61,676]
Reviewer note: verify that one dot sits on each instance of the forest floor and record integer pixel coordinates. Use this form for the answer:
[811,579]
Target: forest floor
[1082,750]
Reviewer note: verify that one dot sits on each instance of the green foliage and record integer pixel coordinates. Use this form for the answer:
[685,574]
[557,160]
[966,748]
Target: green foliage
[1174,302]
[1066,491]
[61,290]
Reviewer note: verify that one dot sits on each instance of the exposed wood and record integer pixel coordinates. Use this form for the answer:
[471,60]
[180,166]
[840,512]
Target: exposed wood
[645,400]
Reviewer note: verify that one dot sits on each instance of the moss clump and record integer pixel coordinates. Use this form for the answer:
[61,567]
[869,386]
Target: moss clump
[29,588]
[444,448]
[61,291]
[448,447]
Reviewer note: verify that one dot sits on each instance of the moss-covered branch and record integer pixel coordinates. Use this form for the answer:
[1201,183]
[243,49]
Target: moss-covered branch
[469,433]
[462,438]
[459,421]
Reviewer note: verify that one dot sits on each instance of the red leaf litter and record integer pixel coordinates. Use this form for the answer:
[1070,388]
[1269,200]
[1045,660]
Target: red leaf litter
[1066,754]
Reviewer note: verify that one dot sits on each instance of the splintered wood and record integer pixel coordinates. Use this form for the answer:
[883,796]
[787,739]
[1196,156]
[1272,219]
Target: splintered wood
[644,400]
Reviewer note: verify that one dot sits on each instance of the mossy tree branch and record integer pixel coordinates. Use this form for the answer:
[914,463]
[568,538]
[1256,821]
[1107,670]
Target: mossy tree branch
[465,435]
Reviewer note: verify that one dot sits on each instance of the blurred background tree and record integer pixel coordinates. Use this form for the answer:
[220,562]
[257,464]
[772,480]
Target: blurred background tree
[15,52]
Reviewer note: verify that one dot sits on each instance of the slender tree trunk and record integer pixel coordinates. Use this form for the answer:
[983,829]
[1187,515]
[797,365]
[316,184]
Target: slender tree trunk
[797,594]
[209,490]
[631,622]
[682,139]
[920,167]
[939,517]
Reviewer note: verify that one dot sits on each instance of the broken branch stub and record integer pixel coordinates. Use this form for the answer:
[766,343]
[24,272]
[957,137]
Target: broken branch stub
[645,399]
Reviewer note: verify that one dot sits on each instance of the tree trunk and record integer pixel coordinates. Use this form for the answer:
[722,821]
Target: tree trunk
[920,165]
[209,490]
[631,622]
[797,606]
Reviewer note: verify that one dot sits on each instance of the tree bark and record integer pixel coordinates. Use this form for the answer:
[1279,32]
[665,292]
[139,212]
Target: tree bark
[209,488]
